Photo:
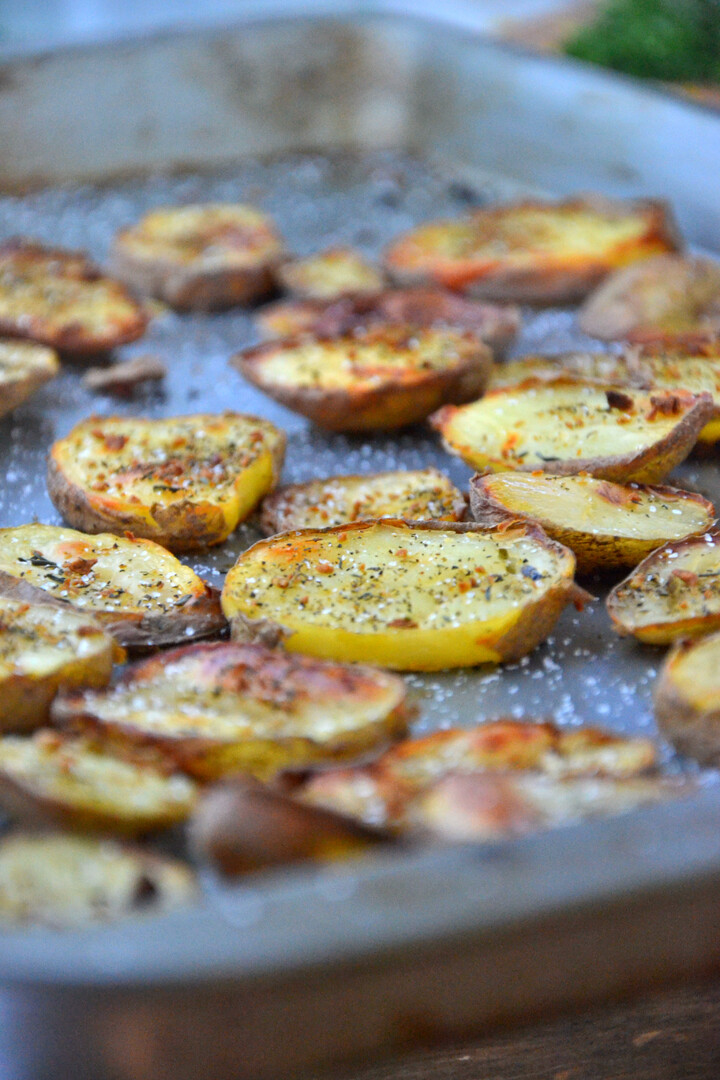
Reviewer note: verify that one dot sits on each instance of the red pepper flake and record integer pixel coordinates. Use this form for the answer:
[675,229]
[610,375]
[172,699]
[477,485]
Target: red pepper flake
[115,442]
[686,576]
[324,567]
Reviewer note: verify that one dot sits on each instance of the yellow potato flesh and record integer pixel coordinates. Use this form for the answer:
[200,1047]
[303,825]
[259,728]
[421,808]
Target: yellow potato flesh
[41,641]
[207,235]
[331,273]
[697,374]
[695,675]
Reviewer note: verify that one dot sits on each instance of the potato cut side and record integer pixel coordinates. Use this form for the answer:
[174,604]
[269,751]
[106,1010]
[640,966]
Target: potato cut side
[415,494]
[533,252]
[24,368]
[67,882]
[185,482]
[328,274]
[59,298]
[135,589]
[225,708]
[413,596]
[567,427]
[384,378]
[687,698]
[605,524]
[673,593]
[41,649]
[606,369]
[698,374]
[58,779]
[202,256]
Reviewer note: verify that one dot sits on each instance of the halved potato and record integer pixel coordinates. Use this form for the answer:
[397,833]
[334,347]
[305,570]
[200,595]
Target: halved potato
[135,589]
[219,709]
[57,779]
[606,525]
[59,298]
[67,882]
[203,256]
[41,649]
[415,495]
[671,300]
[185,482]
[687,698]
[605,369]
[674,593]
[415,596]
[568,427]
[382,378]
[532,251]
[24,368]
[326,275]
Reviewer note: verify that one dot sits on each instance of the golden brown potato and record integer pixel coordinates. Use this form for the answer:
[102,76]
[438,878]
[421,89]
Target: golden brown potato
[606,525]
[567,427]
[135,589]
[532,251]
[219,709]
[56,779]
[417,596]
[41,649]
[415,495]
[674,593]
[687,698]
[605,369]
[384,378]
[204,256]
[326,275]
[670,301]
[24,368]
[69,882]
[185,482]
[59,298]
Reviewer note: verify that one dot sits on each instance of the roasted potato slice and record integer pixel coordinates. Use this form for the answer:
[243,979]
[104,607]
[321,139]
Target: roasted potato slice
[382,378]
[415,495]
[532,251]
[219,709]
[568,427]
[605,369]
[41,649]
[200,257]
[59,298]
[135,589]
[24,368]
[415,596]
[687,698]
[67,882]
[606,525]
[185,482]
[57,779]
[671,300]
[326,275]
[674,593]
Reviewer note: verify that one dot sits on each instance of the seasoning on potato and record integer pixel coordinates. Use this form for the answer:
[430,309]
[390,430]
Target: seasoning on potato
[24,368]
[687,698]
[329,274]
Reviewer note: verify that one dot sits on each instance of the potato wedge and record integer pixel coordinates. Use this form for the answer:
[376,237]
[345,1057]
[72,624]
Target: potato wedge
[674,593]
[328,274]
[669,301]
[606,525]
[67,882]
[199,257]
[219,709]
[383,378]
[415,495]
[567,427]
[605,369]
[24,368]
[41,649]
[687,699]
[185,482]
[59,298]
[416,596]
[532,251]
[56,779]
[135,589]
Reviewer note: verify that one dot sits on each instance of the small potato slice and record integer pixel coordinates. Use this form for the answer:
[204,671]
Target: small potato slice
[67,882]
[533,252]
[135,589]
[59,298]
[687,699]
[24,368]
[568,427]
[670,301]
[326,275]
[415,495]
[199,257]
[673,593]
[219,709]
[605,369]
[416,596]
[379,379]
[606,525]
[56,779]
[185,482]
[41,649]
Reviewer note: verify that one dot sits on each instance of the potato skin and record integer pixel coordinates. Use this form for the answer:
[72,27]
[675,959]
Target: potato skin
[24,368]
[692,729]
